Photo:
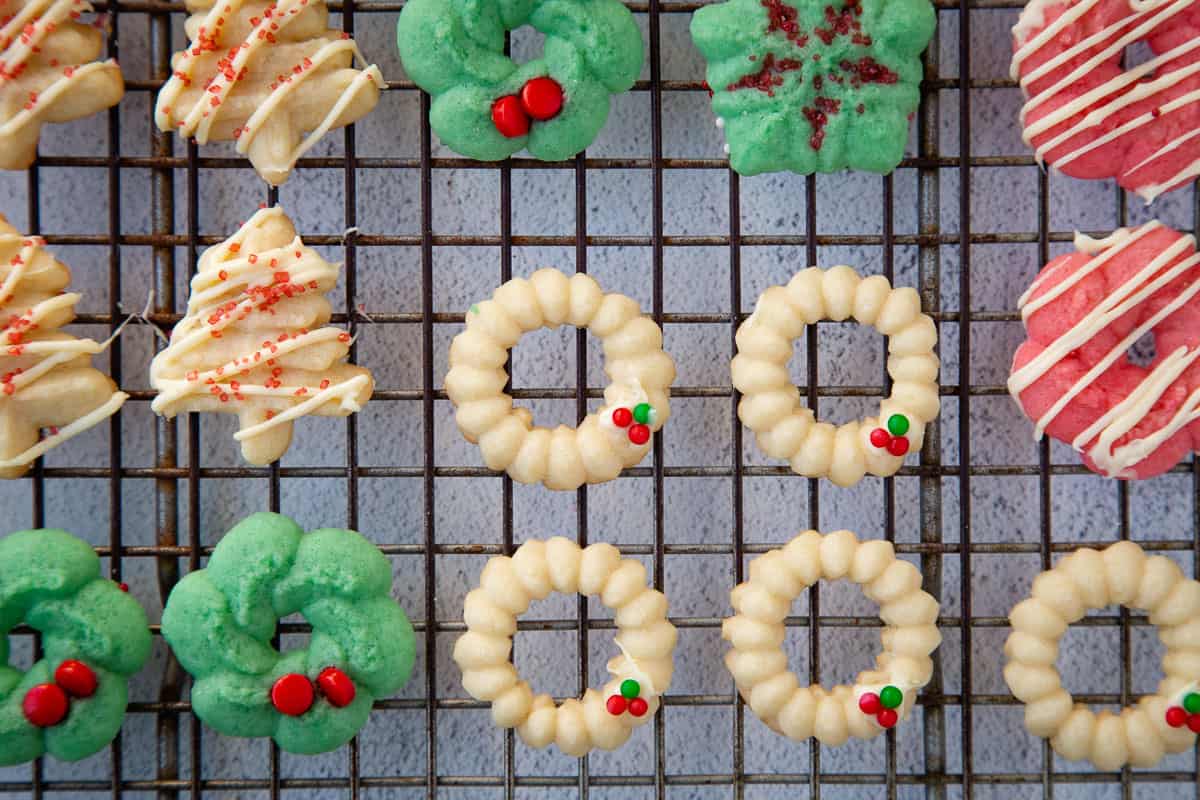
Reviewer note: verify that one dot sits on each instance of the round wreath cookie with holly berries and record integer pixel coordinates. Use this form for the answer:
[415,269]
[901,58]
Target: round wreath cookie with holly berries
[220,620]
[881,697]
[485,105]
[615,436]
[771,405]
[640,674]
[1120,574]
[71,703]
[814,85]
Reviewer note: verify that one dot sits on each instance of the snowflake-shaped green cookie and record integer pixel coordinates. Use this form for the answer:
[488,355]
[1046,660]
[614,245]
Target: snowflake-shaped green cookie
[814,85]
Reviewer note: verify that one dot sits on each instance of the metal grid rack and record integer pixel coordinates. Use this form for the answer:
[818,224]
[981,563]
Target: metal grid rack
[177,542]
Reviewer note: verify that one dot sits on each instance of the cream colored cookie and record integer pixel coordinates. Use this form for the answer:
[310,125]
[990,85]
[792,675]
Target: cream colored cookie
[1121,574]
[49,73]
[255,342]
[46,377]
[771,405]
[264,74]
[615,436]
[880,697]
[640,674]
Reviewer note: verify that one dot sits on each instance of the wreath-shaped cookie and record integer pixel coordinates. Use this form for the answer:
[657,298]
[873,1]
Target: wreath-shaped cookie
[880,697]
[71,703]
[771,407]
[615,436]
[220,620]
[814,85]
[1121,574]
[485,105]
[646,638]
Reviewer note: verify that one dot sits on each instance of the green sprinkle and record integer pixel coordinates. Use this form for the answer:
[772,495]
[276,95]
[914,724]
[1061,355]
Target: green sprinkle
[630,688]
[474,309]
[1191,703]
[643,413]
[891,697]
[897,425]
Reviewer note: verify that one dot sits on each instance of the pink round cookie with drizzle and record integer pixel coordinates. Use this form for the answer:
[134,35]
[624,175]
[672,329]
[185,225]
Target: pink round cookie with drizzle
[1074,377]
[1087,116]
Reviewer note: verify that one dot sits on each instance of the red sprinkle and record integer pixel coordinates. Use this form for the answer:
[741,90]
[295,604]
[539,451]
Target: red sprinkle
[336,686]
[509,117]
[45,705]
[887,717]
[76,678]
[869,703]
[621,417]
[292,695]
[639,434]
[880,438]
[616,705]
[542,98]
[1194,723]
[1177,717]
[898,446]
[638,707]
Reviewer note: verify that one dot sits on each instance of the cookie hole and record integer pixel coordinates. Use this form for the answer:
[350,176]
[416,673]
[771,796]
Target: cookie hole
[847,635]
[545,359]
[1137,54]
[526,44]
[1091,657]
[545,651]
[1143,352]
[21,650]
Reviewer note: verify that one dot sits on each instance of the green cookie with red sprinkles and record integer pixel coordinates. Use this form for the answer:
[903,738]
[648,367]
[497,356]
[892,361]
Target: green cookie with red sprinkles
[71,702]
[488,107]
[220,621]
[814,85]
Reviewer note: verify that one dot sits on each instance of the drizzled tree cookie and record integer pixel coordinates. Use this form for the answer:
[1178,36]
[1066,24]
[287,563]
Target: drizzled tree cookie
[49,391]
[263,74]
[49,73]
[255,341]
[814,85]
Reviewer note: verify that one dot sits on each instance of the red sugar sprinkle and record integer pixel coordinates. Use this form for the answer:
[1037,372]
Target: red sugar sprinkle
[325,384]
[768,76]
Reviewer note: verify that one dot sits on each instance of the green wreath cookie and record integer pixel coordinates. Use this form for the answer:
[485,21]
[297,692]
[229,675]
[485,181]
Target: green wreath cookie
[488,107]
[220,620]
[72,702]
[808,86]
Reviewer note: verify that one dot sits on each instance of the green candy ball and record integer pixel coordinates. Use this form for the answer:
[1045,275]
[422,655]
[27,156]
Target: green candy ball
[1191,703]
[891,697]
[643,413]
[897,424]
[630,688]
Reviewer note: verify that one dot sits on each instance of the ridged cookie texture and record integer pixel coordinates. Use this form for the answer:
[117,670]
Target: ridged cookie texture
[759,664]
[644,635]
[771,404]
[1088,579]
[563,458]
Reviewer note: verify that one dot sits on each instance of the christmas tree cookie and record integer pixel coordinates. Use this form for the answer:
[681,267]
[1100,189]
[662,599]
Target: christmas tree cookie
[814,85]
[264,74]
[47,383]
[49,72]
[255,341]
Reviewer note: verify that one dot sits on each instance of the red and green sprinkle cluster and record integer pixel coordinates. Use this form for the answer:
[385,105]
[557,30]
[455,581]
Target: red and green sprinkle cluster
[1187,713]
[628,700]
[638,421]
[882,706]
[893,437]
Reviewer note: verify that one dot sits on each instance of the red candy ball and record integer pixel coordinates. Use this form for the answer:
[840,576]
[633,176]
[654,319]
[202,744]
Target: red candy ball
[869,703]
[898,446]
[887,717]
[1176,717]
[1194,723]
[76,678]
[292,695]
[639,434]
[638,706]
[509,118]
[336,686]
[45,705]
[542,98]
[880,438]
[621,417]
[616,705]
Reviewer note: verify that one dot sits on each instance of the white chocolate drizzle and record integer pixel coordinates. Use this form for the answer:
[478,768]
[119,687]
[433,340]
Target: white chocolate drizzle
[1126,415]
[1128,87]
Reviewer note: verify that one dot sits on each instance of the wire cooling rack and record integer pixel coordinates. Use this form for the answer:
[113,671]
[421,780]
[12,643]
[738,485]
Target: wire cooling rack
[947,726]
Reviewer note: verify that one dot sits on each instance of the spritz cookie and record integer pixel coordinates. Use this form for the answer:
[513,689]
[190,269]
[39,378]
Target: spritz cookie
[1121,574]
[49,390]
[640,674]
[264,73]
[615,436]
[255,341]
[49,72]
[771,405]
[880,697]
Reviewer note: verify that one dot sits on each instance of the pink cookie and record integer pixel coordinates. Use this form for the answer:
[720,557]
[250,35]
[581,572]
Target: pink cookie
[1087,116]
[1072,376]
